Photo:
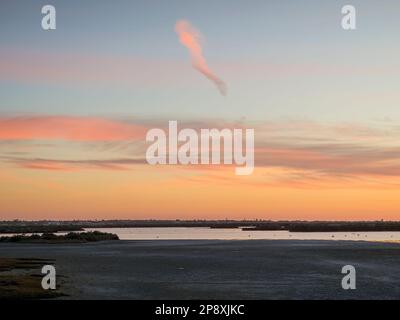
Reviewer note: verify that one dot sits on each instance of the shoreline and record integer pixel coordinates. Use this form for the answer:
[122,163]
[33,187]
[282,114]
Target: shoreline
[243,225]
[198,233]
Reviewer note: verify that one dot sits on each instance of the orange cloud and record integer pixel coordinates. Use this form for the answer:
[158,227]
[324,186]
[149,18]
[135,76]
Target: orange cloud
[190,38]
[45,165]
[74,165]
[68,128]
[294,154]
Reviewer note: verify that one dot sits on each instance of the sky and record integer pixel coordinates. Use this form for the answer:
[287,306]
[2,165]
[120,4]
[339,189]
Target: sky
[76,103]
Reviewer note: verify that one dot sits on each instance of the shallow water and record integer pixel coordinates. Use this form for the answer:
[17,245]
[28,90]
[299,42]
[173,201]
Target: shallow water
[238,234]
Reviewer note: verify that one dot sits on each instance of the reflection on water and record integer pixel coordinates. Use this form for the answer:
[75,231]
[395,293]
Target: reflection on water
[238,234]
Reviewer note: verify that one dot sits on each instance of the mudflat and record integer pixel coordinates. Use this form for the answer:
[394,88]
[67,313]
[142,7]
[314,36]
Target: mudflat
[212,269]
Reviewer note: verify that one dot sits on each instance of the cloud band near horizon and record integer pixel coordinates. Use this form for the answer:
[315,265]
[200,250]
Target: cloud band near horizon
[315,149]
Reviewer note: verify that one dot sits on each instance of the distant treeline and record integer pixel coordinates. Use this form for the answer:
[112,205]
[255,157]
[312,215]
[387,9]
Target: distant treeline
[70,237]
[316,226]
[66,226]
[37,228]
[345,227]
[248,225]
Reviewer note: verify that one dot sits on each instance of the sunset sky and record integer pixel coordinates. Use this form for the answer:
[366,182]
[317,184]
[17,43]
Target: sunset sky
[76,103]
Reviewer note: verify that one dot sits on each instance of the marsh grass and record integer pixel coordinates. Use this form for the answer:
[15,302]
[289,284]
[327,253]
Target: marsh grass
[20,279]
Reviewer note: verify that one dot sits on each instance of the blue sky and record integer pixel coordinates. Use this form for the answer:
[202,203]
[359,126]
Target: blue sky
[356,70]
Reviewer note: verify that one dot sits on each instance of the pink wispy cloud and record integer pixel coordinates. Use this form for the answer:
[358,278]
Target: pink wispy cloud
[142,72]
[89,70]
[68,128]
[191,39]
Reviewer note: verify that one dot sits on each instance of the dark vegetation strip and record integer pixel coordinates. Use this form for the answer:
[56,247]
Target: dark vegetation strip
[70,237]
[21,227]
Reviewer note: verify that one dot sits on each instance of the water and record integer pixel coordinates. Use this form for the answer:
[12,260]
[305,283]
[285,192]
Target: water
[238,234]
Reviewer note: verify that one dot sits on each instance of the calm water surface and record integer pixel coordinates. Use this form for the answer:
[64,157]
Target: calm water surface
[238,234]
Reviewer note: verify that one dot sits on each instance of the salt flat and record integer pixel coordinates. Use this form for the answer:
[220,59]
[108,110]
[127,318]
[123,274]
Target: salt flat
[210,269]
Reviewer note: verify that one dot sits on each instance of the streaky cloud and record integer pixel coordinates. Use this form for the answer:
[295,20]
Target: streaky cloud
[191,39]
[71,128]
